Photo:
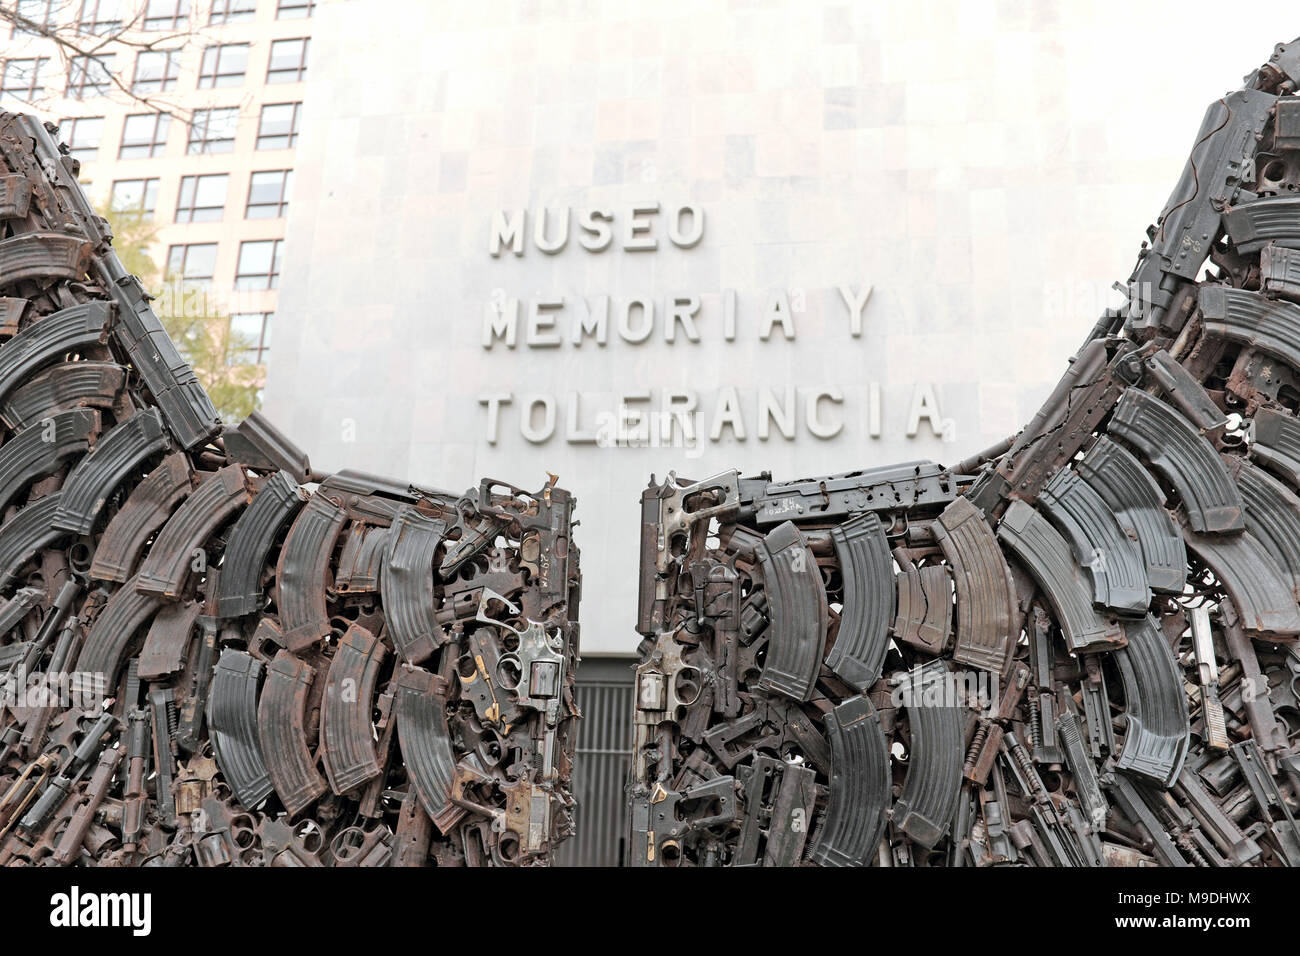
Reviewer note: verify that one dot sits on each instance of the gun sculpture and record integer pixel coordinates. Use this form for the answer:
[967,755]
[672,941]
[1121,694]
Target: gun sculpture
[212,654]
[1077,648]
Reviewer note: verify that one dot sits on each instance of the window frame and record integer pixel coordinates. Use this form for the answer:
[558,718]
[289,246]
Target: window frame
[213,80]
[69,137]
[281,205]
[280,75]
[172,275]
[148,186]
[36,82]
[291,137]
[263,346]
[205,141]
[156,145]
[170,76]
[96,27]
[49,20]
[77,89]
[196,182]
[245,281]
[176,20]
[227,15]
[282,5]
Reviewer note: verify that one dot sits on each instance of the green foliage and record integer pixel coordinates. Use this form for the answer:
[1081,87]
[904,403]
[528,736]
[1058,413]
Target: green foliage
[133,233]
[195,322]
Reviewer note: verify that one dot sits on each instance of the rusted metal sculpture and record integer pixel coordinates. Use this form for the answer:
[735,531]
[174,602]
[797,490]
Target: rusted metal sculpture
[213,654]
[1076,649]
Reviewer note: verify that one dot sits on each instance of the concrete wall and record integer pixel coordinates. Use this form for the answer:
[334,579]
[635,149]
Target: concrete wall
[987,168]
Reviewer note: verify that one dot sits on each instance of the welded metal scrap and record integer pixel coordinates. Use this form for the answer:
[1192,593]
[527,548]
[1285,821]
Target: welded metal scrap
[210,653]
[1077,648]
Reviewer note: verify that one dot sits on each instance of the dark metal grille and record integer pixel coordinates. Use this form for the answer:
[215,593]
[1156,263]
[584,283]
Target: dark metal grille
[601,763]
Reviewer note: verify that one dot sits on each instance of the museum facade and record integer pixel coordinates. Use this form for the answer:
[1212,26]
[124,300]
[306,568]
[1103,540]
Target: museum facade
[600,245]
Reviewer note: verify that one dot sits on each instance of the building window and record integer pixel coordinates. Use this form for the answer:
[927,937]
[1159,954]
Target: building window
[25,79]
[294,9]
[278,126]
[41,14]
[99,17]
[259,265]
[223,65]
[166,14]
[202,198]
[82,134]
[268,194]
[193,264]
[144,135]
[89,76]
[135,195]
[156,71]
[232,11]
[250,338]
[213,131]
[288,62]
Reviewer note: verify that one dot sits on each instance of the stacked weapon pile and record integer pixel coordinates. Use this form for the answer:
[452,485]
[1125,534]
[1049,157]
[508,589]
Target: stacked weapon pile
[1078,648]
[213,655]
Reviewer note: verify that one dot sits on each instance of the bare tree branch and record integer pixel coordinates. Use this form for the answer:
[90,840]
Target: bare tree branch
[70,43]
